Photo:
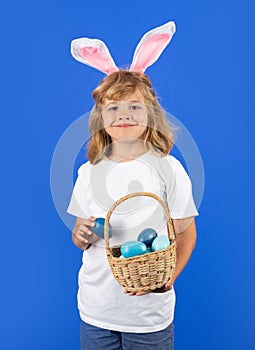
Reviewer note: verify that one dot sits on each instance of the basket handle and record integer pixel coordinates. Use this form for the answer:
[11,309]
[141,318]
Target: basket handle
[137,194]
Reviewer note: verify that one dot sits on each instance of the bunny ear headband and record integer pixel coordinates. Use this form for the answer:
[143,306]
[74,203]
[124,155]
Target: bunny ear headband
[94,52]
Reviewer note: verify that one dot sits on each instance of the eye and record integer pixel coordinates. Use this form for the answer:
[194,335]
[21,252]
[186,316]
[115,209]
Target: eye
[112,108]
[134,107]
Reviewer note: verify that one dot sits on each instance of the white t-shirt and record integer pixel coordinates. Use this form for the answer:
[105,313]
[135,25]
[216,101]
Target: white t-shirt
[101,300]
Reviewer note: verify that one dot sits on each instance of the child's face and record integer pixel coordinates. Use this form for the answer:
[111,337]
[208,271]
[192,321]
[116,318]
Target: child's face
[125,119]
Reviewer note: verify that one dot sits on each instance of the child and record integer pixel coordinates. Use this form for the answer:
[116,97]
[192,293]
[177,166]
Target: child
[128,152]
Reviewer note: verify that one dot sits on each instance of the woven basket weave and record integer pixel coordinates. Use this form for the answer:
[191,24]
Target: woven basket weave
[143,272]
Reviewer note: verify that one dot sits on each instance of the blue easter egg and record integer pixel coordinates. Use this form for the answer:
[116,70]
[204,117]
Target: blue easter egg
[159,243]
[147,236]
[98,229]
[133,248]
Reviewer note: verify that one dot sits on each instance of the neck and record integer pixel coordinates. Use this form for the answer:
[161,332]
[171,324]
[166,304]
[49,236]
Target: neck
[126,150]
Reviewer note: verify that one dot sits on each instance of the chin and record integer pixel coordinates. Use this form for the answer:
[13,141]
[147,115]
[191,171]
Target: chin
[127,135]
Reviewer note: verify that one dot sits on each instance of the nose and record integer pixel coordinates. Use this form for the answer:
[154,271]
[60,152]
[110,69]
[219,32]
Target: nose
[124,117]
[124,114]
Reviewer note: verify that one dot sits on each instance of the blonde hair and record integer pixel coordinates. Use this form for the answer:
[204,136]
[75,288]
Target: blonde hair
[158,135]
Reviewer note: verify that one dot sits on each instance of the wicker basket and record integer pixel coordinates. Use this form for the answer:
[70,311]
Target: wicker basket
[143,272]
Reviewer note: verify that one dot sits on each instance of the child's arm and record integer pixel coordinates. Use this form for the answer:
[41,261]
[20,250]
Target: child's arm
[82,234]
[185,230]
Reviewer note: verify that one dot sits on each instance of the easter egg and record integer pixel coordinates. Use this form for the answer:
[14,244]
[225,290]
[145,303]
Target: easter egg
[116,251]
[147,236]
[98,229]
[160,242]
[133,248]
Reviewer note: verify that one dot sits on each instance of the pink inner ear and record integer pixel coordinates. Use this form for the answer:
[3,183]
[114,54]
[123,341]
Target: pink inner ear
[150,51]
[97,59]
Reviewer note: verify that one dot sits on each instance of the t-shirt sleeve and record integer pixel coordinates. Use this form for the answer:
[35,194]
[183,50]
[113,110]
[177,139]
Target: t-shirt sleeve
[78,205]
[179,192]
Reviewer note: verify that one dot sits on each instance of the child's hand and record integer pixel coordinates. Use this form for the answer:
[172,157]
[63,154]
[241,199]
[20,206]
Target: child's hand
[137,293]
[82,234]
[165,288]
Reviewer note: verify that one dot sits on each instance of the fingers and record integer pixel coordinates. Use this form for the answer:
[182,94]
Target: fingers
[80,242]
[84,230]
[163,289]
[84,233]
[80,239]
[168,286]
[136,293]
[129,293]
[87,225]
[142,293]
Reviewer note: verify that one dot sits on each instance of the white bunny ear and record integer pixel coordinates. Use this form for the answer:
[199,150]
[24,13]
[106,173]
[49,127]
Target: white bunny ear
[94,53]
[151,46]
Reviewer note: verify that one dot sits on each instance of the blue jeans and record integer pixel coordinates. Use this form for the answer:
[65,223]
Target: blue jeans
[94,338]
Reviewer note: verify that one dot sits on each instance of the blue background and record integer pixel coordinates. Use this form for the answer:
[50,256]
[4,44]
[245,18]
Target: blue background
[206,79]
